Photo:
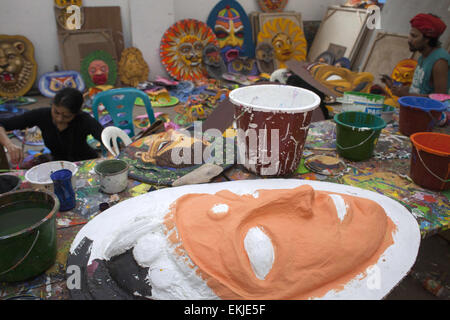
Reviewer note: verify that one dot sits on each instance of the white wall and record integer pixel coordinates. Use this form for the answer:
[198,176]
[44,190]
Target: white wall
[143,21]
[396,15]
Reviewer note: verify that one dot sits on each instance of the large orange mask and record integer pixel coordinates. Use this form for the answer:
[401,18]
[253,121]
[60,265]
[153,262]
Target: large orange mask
[278,244]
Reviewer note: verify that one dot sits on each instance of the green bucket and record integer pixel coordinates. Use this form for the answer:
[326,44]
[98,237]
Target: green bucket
[27,234]
[357,134]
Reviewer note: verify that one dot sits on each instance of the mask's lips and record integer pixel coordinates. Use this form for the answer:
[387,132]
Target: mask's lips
[232,54]
[7,77]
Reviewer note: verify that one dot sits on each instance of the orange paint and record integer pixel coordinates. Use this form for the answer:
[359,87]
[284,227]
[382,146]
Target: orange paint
[314,251]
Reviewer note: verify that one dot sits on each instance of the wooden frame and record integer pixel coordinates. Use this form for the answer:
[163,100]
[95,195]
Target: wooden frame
[75,45]
[341,26]
[385,52]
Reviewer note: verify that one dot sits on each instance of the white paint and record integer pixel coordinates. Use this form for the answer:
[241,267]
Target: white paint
[341,206]
[124,225]
[260,252]
[274,98]
[220,208]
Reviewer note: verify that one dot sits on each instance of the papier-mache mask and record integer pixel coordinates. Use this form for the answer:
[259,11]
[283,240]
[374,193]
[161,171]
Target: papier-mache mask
[265,58]
[51,83]
[132,67]
[18,68]
[286,38]
[215,66]
[99,68]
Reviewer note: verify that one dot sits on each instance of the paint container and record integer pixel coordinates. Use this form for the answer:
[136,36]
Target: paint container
[113,175]
[8,183]
[272,124]
[357,134]
[39,176]
[430,160]
[27,234]
[387,113]
[62,186]
[419,114]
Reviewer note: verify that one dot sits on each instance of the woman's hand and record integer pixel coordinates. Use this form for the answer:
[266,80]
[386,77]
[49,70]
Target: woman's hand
[15,153]
[400,91]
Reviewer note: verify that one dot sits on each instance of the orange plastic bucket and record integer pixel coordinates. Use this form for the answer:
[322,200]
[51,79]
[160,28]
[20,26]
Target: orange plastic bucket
[430,160]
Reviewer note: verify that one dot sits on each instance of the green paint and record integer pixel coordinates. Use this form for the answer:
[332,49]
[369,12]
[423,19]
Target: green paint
[21,215]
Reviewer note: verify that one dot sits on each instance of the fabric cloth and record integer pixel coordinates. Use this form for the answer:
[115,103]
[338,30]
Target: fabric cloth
[69,144]
[429,25]
[421,83]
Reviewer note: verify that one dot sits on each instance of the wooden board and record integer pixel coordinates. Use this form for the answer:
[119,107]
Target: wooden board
[95,18]
[75,45]
[385,52]
[343,27]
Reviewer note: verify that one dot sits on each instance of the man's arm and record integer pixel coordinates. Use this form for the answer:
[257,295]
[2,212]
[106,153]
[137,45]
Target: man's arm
[440,76]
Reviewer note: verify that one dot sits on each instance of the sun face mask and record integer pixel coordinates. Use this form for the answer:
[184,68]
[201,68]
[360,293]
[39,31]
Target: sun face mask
[286,38]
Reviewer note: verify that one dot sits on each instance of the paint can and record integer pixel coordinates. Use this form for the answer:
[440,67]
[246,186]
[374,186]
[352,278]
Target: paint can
[113,175]
[430,160]
[27,234]
[8,183]
[272,124]
[419,114]
[357,134]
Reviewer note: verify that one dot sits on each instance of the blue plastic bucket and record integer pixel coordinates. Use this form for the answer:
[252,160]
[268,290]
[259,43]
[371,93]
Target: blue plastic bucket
[419,114]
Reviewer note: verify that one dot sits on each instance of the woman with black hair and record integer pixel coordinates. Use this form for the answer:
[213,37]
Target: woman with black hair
[64,128]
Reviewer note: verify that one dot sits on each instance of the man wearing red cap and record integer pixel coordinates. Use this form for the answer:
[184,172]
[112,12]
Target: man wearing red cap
[431,74]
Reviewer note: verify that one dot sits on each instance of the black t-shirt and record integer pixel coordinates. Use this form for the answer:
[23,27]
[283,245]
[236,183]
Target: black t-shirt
[69,144]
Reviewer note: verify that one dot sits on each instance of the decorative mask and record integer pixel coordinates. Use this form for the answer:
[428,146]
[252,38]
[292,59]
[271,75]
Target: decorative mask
[63,17]
[265,57]
[404,71]
[263,245]
[213,61]
[340,80]
[132,67]
[18,68]
[233,30]
[244,66]
[181,49]
[52,82]
[162,145]
[99,68]
[62,4]
[286,38]
[272,5]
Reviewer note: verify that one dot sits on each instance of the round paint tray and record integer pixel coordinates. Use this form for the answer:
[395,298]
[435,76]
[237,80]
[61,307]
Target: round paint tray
[325,165]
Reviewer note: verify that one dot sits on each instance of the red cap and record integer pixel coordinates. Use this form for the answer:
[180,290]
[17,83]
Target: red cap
[428,24]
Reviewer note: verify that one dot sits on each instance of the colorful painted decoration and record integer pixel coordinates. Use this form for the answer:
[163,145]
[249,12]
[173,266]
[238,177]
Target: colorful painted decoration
[272,5]
[161,147]
[402,74]
[132,67]
[287,39]
[243,65]
[181,49]
[340,80]
[18,68]
[215,66]
[52,82]
[66,18]
[62,4]
[233,30]
[265,58]
[99,68]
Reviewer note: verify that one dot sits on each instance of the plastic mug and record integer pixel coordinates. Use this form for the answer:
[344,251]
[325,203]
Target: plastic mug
[62,183]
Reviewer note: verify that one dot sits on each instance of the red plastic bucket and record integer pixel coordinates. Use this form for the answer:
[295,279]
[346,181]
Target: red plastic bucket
[430,160]
[272,123]
[418,114]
